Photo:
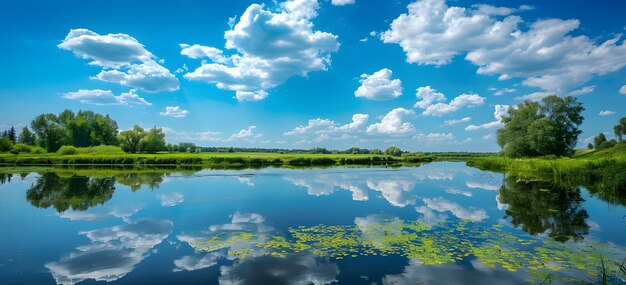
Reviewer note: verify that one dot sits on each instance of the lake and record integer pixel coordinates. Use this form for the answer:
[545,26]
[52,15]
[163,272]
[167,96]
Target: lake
[439,223]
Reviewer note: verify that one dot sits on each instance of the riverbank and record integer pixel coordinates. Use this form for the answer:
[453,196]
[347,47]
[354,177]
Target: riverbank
[208,159]
[602,172]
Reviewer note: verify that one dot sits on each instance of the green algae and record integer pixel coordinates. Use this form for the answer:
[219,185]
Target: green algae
[450,242]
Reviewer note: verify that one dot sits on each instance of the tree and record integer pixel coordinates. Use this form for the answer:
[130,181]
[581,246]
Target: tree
[5,144]
[590,146]
[392,150]
[49,131]
[620,129]
[27,137]
[546,128]
[132,140]
[598,140]
[376,151]
[154,140]
[11,135]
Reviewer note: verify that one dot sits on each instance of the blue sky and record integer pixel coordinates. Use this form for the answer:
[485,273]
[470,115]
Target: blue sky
[428,75]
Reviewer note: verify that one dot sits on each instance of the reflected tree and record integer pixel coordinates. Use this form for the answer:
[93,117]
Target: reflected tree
[5,178]
[136,180]
[540,207]
[76,192]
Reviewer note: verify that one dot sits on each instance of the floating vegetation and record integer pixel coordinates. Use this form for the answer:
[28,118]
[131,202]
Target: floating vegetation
[450,242]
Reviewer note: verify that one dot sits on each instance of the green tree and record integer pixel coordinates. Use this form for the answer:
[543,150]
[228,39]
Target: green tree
[376,151]
[27,137]
[132,140]
[590,146]
[549,127]
[5,144]
[154,141]
[50,132]
[392,150]
[620,129]
[11,135]
[598,140]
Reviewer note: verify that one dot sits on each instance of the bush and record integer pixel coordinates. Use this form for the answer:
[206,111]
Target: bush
[67,150]
[37,150]
[101,149]
[21,148]
[5,144]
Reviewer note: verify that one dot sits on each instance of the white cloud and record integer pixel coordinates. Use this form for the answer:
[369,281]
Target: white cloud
[269,48]
[441,205]
[489,136]
[174,111]
[106,97]
[500,92]
[545,55]
[245,134]
[454,122]
[433,138]
[341,2]
[329,129]
[250,95]
[198,51]
[499,112]
[379,86]
[606,113]
[172,199]
[463,100]
[112,253]
[395,122]
[582,91]
[124,60]
[622,90]
[428,96]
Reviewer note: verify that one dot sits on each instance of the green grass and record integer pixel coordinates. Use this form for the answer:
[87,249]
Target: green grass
[603,172]
[110,156]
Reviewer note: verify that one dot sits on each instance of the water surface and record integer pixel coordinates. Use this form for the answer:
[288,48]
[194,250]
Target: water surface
[441,223]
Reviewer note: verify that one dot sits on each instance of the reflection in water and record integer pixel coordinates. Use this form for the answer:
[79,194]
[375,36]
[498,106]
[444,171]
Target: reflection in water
[239,241]
[112,253]
[539,207]
[76,192]
[442,205]
[136,180]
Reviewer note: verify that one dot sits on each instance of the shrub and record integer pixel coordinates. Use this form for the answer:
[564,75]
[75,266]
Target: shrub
[5,144]
[67,150]
[37,150]
[21,148]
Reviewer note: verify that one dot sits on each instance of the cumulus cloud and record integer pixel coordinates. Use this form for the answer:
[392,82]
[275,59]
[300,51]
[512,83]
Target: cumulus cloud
[268,48]
[112,253]
[500,111]
[245,134]
[462,101]
[395,122]
[174,111]
[172,199]
[428,96]
[500,92]
[454,121]
[442,205]
[379,86]
[622,90]
[606,113]
[433,138]
[123,59]
[106,97]
[324,129]
[341,2]
[545,54]
[250,95]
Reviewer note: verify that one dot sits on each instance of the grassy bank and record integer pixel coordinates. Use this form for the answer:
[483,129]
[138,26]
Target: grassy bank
[602,172]
[206,159]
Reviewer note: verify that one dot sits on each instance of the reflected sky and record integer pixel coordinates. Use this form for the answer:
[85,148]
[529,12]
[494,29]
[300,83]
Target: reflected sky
[205,227]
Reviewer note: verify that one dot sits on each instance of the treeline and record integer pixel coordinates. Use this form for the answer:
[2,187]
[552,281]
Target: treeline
[600,142]
[68,130]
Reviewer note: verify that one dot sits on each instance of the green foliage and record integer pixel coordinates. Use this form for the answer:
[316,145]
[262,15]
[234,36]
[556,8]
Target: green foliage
[590,146]
[27,137]
[319,150]
[598,140]
[12,135]
[50,132]
[534,129]
[376,151]
[131,140]
[154,140]
[607,144]
[5,144]
[392,150]
[67,150]
[620,129]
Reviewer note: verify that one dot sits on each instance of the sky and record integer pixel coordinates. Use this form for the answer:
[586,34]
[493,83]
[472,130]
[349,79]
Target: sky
[425,75]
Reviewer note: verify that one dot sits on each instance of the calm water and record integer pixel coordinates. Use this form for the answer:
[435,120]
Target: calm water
[441,223]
